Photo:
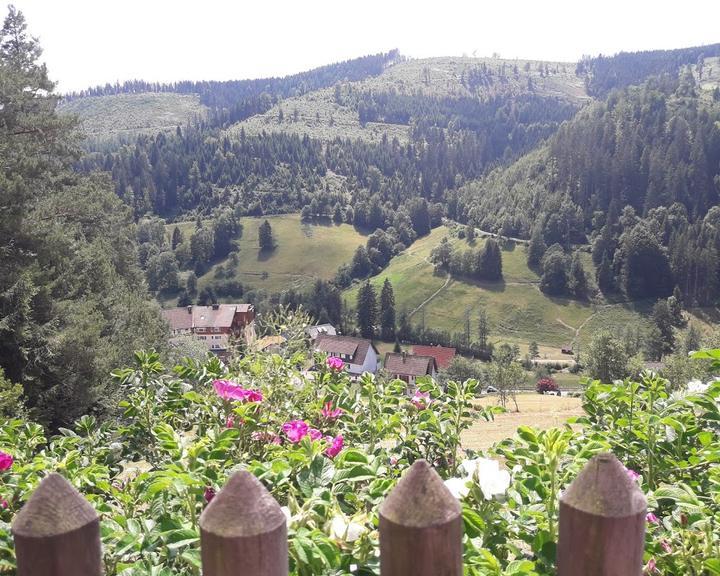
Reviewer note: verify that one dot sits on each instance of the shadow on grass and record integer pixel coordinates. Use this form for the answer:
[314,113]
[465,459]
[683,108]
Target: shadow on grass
[265,254]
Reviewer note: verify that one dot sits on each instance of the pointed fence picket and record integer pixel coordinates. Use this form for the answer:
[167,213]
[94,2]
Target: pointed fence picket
[243,531]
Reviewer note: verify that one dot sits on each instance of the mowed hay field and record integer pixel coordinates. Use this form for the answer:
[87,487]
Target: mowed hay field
[519,312]
[536,410]
[304,253]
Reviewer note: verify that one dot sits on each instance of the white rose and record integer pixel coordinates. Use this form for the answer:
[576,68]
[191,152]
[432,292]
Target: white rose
[697,387]
[492,480]
[458,487]
[343,528]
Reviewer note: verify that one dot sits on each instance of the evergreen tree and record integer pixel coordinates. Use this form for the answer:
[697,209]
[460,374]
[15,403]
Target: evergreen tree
[645,267]
[662,318]
[483,330]
[533,350]
[366,310]
[489,262]
[225,229]
[177,237]
[470,233]
[604,276]
[265,236]
[578,279]
[191,284]
[68,267]
[387,311]
[692,339]
[536,248]
[554,279]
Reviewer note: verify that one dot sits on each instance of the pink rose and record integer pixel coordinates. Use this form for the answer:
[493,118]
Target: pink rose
[335,447]
[6,461]
[209,494]
[228,390]
[420,400]
[4,504]
[295,430]
[335,363]
[328,413]
[650,518]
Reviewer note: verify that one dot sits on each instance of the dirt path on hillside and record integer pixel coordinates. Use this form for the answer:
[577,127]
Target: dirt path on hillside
[433,295]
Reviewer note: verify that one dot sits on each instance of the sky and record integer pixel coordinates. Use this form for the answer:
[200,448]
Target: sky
[91,42]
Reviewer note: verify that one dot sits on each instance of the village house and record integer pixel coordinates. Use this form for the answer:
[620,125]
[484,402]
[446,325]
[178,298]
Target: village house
[213,325]
[358,354]
[314,331]
[409,367]
[443,355]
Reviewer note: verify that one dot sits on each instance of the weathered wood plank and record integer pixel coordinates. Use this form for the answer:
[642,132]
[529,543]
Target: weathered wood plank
[57,532]
[602,522]
[243,531]
[420,527]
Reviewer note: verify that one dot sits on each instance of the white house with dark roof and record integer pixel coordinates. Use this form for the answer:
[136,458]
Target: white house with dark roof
[213,325]
[358,354]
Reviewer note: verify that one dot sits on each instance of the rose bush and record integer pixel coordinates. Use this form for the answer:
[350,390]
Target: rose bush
[330,449]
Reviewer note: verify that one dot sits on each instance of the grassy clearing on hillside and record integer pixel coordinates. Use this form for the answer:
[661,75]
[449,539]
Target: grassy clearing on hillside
[129,114]
[536,410]
[304,253]
[519,312]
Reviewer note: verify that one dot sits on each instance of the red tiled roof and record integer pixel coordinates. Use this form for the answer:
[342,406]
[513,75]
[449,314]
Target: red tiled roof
[408,364]
[443,356]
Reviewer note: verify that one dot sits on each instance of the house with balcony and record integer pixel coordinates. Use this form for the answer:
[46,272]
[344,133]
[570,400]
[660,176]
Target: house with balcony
[213,325]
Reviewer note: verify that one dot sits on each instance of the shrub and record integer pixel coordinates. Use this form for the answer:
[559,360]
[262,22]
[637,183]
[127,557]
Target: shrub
[546,385]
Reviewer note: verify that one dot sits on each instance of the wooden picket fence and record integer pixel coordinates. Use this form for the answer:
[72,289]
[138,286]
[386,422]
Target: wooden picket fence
[243,531]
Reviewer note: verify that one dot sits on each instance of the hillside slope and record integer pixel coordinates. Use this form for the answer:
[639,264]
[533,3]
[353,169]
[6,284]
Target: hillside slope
[519,312]
[104,117]
[334,112]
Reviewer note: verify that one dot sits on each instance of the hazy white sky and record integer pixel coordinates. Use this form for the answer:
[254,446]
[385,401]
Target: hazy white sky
[89,42]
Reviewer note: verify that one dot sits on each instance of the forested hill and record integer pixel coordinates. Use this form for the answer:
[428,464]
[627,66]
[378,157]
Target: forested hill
[605,73]
[221,102]
[516,147]
[440,122]
[637,172]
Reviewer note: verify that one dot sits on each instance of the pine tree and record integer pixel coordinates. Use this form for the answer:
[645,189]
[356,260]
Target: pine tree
[483,330]
[533,350]
[366,310]
[177,237]
[489,262]
[387,311]
[578,279]
[692,339]
[59,307]
[662,318]
[604,276]
[265,236]
[536,248]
